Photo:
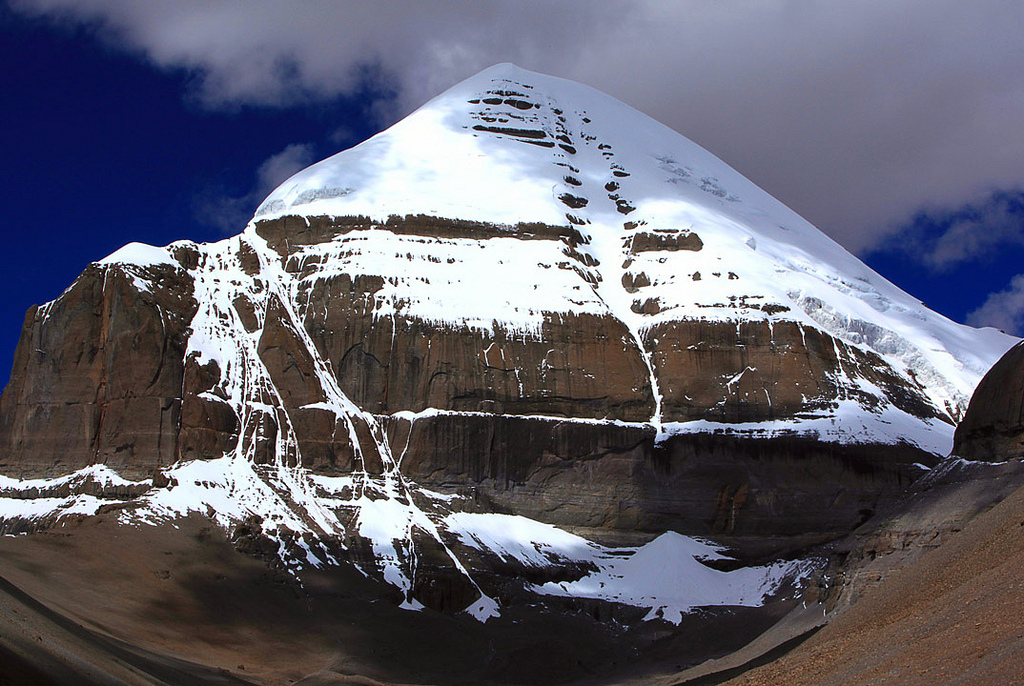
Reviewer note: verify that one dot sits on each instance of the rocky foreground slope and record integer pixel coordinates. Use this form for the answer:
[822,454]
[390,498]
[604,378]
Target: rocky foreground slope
[522,347]
[928,591]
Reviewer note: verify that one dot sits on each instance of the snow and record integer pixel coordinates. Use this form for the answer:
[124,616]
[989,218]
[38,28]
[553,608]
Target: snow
[483,609]
[480,284]
[511,537]
[37,499]
[667,577]
[139,255]
[460,156]
[847,424]
[98,473]
[48,508]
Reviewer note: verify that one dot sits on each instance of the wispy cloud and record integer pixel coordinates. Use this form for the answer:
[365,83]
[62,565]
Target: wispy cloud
[229,213]
[943,239]
[277,168]
[1003,310]
[856,114]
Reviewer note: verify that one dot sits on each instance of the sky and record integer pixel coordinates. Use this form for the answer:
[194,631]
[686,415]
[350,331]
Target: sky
[897,128]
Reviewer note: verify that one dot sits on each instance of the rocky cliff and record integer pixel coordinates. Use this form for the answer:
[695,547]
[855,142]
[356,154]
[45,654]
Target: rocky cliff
[216,350]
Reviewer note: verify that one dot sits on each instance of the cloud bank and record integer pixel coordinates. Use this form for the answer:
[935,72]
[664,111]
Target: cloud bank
[943,239]
[855,114]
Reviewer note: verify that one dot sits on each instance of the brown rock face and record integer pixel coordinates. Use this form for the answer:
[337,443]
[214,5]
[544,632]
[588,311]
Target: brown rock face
[754,371]
[562,472]
[98,375]
[554,424]
[582,366]
[607,476]
[786,486]
[209,425]
[577,366]
[992,429]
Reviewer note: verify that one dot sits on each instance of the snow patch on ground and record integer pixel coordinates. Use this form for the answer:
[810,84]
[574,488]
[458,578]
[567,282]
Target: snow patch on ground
[307,516]
[49,509]
[524,540]
[101,474]
[667,577]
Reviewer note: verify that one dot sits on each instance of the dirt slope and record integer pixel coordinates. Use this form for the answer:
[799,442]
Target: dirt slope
[952,616]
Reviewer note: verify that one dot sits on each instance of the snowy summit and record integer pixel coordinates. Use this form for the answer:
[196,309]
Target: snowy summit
[511,146]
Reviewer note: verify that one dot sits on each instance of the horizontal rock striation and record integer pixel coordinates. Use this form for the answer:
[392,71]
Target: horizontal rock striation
[557,422]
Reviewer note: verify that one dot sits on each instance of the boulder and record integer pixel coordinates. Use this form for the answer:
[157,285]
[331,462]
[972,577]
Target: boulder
[992,429]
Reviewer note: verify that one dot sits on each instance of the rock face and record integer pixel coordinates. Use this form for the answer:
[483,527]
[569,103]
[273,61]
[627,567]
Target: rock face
[525,299]
[98,375]
[992,430]
[555,424]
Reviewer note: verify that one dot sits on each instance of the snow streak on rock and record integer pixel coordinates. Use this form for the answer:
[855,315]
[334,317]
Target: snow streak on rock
[667,232]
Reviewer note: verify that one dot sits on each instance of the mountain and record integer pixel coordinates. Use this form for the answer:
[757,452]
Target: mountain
[654,232]
[526,346]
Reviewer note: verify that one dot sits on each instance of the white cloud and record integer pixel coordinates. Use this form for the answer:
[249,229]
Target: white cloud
[276,169]
[856,114]
[978,230]
[1003,310]
[231,212]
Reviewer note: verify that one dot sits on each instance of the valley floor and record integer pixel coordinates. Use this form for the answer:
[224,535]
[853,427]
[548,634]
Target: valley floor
[933,596]
[93,601]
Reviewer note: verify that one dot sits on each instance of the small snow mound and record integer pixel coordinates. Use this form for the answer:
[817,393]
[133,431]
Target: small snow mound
[140,255]
[483,609]
[667,577]
[512,537]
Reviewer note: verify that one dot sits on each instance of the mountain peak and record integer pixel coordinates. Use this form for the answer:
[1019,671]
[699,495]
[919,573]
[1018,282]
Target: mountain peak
[525,297]
[509,145]
[656,215]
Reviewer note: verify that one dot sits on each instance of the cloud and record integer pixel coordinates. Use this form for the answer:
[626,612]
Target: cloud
[945,238]
[856,114]
[276,169]
[228,212]
[1003,310]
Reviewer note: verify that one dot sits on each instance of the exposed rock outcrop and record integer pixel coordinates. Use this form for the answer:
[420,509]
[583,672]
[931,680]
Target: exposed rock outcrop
[98,375]
[554,424]
[992,430]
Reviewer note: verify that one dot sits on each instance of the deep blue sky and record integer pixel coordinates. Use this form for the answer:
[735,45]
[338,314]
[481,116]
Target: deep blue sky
[99,148]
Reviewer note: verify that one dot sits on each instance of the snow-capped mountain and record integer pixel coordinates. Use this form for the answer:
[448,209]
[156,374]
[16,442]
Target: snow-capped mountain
[524,303]
[666,232]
